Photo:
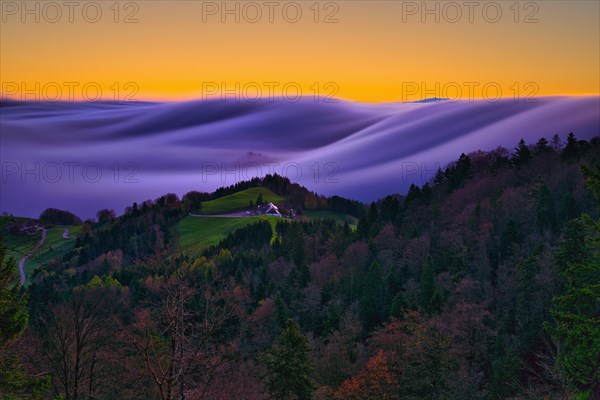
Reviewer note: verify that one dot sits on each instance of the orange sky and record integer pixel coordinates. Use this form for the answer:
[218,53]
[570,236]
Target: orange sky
[374,53]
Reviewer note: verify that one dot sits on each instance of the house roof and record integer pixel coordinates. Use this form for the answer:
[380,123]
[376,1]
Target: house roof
[268,209]
[272,208]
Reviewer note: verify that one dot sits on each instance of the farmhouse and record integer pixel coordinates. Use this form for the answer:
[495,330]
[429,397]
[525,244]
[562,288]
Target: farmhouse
[268,209]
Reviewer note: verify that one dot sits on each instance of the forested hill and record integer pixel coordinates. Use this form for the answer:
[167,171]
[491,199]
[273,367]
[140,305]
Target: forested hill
[482,284]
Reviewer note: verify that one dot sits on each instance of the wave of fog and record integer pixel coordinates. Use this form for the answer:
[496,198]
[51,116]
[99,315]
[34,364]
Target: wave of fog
[51,153]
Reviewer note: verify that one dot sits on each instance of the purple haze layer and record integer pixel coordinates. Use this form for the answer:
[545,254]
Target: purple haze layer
[87,156]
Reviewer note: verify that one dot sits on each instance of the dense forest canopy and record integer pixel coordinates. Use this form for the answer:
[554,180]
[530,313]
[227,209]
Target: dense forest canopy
[482,284]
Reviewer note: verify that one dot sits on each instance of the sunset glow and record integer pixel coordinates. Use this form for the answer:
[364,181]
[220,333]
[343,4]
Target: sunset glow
[368,51]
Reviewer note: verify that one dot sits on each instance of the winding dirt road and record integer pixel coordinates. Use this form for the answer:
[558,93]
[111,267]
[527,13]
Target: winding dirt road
[37,246]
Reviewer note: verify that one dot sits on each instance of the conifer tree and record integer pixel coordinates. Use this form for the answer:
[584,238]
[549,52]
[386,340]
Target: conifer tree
[427,284]
[571,149]
[289,367]
[522,154]
[576,315]
[371,308]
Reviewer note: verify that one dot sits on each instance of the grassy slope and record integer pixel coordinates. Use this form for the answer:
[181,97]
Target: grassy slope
[197,233]
[54,246]
[238,201]
[20,245]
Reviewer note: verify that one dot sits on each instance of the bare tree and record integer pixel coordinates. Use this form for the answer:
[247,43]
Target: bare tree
[547,380]
[74,335]
[177,334]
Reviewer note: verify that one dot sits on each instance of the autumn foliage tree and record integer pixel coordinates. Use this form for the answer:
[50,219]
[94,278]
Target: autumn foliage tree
[377,381]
